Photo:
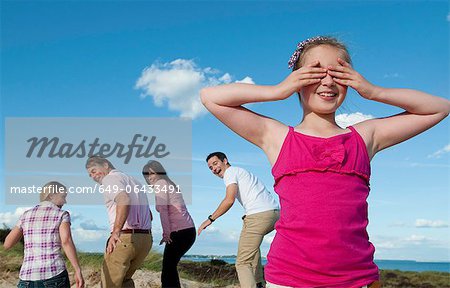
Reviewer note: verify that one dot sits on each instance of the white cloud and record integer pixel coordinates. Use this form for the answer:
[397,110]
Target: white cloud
[177,84]
[423,223]
[418,239]
[216,235]
[426,165]
[90,225]
[344,120]
[75,216]
[85,235]
[440,152]
[247,80]
[10,218]
[412,247]
[386,245]
[387,242]
[233,236]
[226,78]
[211,230]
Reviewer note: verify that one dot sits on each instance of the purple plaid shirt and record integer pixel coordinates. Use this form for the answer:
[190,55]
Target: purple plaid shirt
[42,257]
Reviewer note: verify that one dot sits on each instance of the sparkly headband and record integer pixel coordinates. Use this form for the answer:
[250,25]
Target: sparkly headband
[300,47]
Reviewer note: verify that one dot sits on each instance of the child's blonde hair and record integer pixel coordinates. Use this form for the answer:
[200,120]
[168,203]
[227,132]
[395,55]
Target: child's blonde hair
[51,188]
[296,60]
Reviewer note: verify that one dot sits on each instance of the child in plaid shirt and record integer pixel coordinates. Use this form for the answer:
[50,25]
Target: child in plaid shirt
[46,228]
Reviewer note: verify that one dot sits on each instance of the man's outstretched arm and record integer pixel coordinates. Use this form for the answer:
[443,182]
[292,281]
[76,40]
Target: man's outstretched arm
[224,206]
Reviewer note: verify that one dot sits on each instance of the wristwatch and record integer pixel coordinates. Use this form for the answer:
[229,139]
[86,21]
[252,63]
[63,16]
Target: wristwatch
[210,218]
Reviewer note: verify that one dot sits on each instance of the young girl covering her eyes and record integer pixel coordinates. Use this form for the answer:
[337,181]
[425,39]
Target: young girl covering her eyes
[321,170]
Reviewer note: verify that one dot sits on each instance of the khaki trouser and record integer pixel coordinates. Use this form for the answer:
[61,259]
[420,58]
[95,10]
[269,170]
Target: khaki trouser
[120,265]
[248,260]
[376,284]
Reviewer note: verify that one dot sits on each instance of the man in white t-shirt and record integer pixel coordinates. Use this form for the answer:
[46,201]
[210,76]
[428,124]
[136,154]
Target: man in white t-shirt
[261,213]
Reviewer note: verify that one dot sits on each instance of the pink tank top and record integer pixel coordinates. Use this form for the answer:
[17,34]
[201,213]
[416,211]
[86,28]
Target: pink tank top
[321,238]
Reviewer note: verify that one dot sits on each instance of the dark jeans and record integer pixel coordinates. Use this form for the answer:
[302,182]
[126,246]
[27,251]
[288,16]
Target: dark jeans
[60,280]
[181,242]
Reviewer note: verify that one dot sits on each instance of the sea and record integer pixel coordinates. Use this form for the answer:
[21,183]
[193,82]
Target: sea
[402,265]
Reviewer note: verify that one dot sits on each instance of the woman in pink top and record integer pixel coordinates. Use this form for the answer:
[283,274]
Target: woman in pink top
[46,228]
[321,170]
[177,224]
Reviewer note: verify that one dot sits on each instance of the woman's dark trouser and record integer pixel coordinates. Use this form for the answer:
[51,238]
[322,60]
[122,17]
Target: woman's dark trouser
[182,241]
[60,280]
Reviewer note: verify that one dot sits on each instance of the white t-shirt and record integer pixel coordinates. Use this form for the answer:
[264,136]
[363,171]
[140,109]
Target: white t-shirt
[252,194]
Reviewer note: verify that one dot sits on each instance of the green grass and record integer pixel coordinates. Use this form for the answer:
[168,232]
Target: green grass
[11,260]
[217,274]
[90,259]
[396,278]
[153,261]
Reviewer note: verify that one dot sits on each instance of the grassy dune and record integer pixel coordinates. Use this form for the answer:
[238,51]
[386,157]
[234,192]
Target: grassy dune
[215,273]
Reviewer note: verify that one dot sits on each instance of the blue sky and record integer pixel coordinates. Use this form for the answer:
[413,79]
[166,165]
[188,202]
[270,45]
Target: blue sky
[84,59]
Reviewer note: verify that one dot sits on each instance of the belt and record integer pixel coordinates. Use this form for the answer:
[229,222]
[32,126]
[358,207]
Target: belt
[274,210]
[134,231]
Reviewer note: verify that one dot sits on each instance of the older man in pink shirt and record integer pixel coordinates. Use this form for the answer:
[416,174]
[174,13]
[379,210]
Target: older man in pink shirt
[130,223]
